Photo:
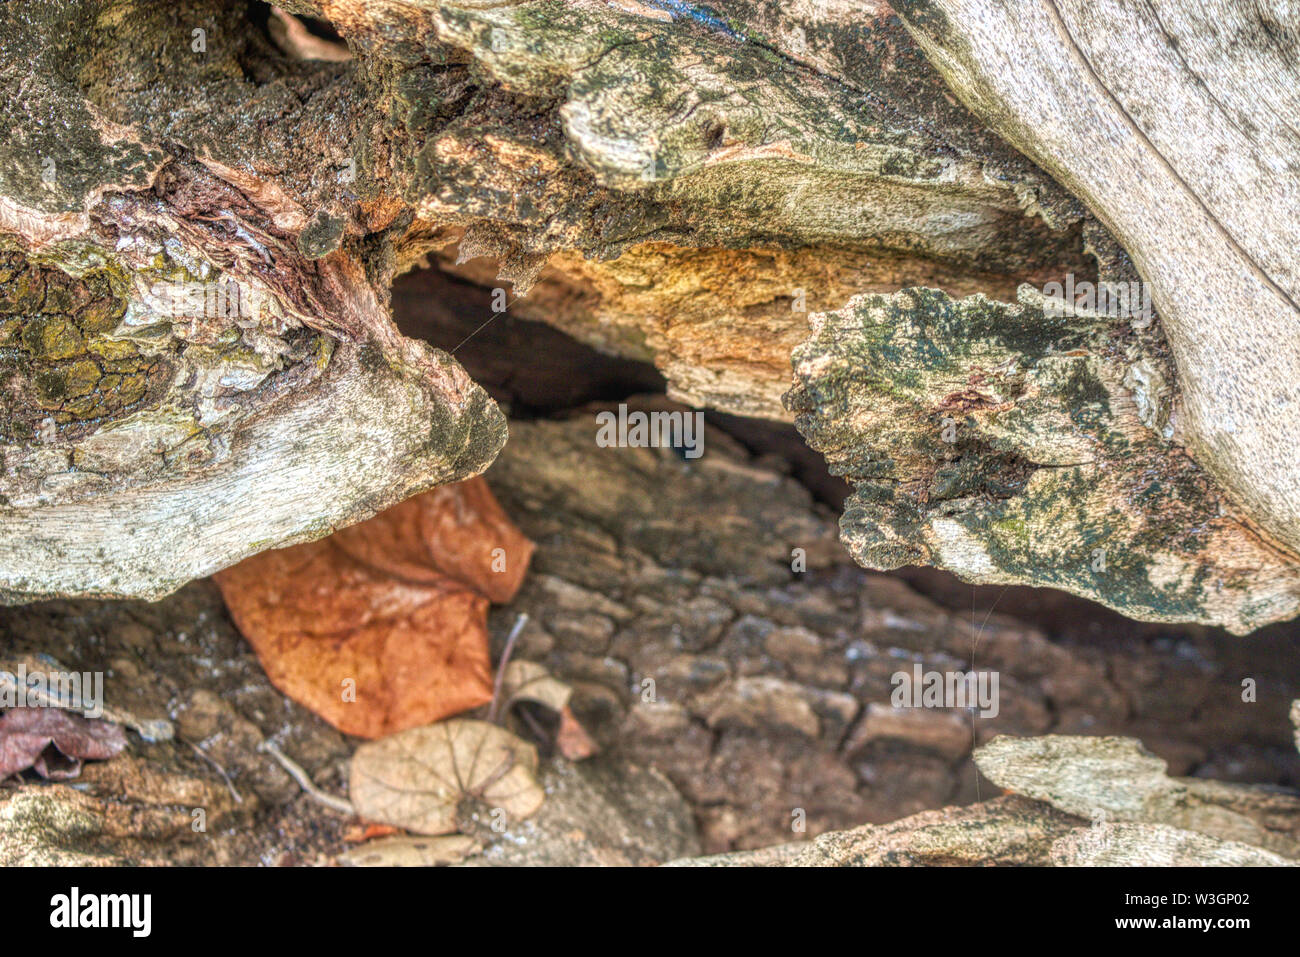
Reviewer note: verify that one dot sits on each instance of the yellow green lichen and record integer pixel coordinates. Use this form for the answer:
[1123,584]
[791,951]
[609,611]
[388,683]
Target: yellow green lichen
[57,362]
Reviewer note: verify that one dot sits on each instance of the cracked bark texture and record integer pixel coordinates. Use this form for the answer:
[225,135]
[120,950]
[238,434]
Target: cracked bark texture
[1171,125]
[1008,444]
[662,182]
[148,442]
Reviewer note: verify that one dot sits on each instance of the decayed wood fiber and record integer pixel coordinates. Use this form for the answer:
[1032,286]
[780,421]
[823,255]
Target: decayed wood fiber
[672,185]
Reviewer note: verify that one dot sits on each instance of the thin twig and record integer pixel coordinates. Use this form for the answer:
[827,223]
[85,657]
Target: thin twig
[220,770]
[534,724]
[306,783]
[501,667]
[484,325]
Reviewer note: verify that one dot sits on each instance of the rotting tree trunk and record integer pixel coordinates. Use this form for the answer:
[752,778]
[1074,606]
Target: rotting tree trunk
[669,185]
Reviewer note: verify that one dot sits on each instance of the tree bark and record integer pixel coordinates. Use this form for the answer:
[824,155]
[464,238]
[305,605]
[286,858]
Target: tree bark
[714,194]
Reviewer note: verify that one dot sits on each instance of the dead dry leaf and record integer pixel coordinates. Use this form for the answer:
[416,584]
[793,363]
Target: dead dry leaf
[364,831]
[572,739]
[529,681]
[54,742]
[412,852]
[453,531]
[415,779]
[383,625]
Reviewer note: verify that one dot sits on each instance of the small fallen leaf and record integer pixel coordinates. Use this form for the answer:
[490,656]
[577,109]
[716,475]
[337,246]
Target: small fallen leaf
[412,852]
[529,681]
[53,742]
[572,739]
[362,831]
[151,729]
[415,779]
[383,625]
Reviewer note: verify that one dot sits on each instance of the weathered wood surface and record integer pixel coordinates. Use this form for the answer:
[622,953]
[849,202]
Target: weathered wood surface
[669,184]
[181,144]
[1069,802]
[148,440]
[1010,445]
[1175,123]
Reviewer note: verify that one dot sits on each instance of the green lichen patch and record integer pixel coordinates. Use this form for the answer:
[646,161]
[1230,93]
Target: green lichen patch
[59,371]
[1001,444]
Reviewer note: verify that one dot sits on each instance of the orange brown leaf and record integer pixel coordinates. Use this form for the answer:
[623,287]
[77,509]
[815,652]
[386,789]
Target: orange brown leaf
[383,626]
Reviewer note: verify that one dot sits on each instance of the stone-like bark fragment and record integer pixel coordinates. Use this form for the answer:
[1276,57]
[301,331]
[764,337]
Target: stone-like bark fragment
[1077,801]
[719,323]
[694,190]
[143,449]
[642,129]
[1007,831]
[1009,443]
[1117,780]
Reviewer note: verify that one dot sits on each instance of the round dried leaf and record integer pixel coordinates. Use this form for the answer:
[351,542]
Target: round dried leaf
[416,778]
[529,681]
